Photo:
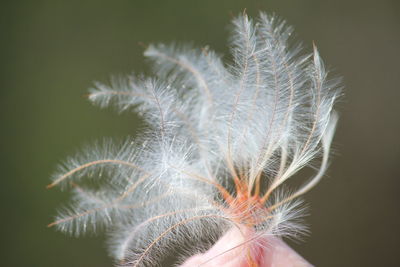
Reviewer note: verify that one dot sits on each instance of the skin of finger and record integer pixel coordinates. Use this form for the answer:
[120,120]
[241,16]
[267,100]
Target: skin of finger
[217,255]
[267,252]
[279,254]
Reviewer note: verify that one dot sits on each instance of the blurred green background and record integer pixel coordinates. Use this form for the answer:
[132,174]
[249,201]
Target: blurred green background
[52,51]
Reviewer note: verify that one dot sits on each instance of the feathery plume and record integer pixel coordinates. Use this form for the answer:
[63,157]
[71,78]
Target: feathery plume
[223,140]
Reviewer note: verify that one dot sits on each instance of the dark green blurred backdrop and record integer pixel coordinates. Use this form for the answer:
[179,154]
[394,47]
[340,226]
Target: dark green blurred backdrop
[51,52]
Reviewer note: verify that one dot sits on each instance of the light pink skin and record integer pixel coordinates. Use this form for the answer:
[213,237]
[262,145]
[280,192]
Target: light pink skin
[264,251]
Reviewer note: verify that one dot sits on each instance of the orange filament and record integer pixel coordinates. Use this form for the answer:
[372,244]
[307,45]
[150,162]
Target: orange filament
[246,206]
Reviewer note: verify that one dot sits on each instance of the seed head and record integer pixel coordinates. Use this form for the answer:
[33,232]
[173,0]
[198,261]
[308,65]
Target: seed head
[223,139]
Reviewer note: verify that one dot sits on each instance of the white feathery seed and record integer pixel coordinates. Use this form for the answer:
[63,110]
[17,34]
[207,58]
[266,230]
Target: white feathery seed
[223,139]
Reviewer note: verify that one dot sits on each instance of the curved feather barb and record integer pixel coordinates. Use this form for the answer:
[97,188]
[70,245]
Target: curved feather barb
[224,138]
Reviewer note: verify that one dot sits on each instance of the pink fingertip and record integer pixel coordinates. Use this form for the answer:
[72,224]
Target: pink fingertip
[231,250]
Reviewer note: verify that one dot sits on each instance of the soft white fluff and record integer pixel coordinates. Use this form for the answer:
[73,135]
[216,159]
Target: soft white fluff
[262,117]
